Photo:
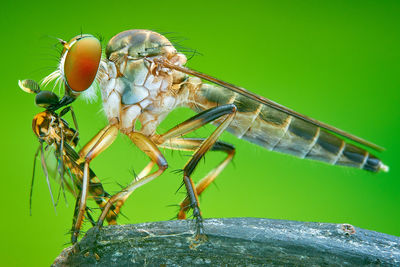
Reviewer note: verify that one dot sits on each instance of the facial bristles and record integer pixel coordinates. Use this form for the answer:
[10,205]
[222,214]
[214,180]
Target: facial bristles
[58,84]
[55,75]
[90,95]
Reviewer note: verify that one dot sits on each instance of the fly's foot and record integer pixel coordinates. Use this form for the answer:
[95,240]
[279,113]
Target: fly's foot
[95,234]
[200,237]
[75,248]
[74,236]
[181,215]
[91,243]
[197,240]
[93,254]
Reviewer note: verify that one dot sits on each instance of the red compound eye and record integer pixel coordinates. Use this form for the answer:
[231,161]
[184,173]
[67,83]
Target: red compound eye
[82,62]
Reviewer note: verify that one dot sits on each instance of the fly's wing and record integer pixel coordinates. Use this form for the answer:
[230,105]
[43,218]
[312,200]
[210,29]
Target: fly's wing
[272,104]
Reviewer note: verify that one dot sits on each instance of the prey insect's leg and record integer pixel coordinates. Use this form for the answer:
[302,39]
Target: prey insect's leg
[65,111]
[33,179]
[96,190]
[148,147]
[191,144]
[191,125]
[95,146]
[61,161]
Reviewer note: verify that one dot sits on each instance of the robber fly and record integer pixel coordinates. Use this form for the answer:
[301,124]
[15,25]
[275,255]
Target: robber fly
[143,78]
[52,130]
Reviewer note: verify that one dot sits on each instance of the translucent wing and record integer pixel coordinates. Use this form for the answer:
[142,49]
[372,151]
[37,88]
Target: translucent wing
[270,103]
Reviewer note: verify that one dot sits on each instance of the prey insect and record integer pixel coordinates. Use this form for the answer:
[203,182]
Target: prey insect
[143,78]
[52,130]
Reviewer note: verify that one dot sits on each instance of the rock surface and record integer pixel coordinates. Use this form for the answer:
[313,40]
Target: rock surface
[234,242]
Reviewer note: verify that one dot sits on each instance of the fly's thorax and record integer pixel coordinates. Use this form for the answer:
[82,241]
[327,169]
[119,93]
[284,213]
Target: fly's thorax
[138,44]
[133,84]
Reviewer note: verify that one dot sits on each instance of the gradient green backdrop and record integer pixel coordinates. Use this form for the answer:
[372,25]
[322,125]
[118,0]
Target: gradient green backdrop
[335,61]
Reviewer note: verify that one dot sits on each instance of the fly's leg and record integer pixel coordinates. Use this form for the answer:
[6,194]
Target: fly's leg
[151,150]
[191,144]
[187,127]
[76,210]
[95,189]
[122,200]
[95,146]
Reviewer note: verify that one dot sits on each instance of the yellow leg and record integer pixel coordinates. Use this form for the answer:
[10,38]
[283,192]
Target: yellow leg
[148,147]
[191,144]
[97,145]
[141,175]
[188,126]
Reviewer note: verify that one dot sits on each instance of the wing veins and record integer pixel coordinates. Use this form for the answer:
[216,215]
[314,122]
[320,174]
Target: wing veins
[272,104]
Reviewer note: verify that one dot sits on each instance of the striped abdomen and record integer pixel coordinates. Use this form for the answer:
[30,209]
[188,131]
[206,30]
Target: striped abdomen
[96,189]
[48,127]
[278,131]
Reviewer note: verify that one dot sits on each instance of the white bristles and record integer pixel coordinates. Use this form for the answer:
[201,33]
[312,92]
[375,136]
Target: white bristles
[90,95]
[55,75]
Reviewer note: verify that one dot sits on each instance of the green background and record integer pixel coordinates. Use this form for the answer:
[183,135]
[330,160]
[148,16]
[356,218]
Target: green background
[337,61]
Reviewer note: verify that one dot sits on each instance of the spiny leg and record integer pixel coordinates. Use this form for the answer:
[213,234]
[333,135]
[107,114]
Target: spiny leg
[151,150]
[76,211]
[146,170]
[95,188]
[96,139]
[194,123]
[95,146]
[186,127]
[191,144]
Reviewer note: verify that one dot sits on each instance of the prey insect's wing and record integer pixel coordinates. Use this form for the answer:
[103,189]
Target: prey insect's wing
[46,173]
[270,103]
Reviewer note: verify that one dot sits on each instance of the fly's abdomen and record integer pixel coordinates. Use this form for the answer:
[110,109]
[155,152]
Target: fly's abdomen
[278,131]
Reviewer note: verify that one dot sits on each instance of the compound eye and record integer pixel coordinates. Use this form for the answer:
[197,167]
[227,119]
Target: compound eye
[45,99]
[82,62]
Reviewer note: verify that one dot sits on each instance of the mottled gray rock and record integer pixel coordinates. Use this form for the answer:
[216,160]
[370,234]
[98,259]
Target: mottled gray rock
[234,242]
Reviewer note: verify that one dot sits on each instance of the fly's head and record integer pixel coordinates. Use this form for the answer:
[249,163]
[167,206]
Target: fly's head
[78,66]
